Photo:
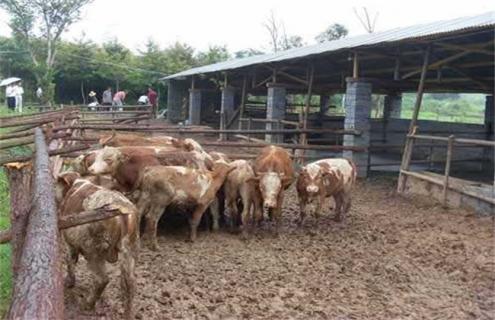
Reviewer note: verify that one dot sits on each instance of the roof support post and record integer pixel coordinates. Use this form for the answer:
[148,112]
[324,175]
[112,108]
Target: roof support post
[408,148]
[355,66]
[275,110]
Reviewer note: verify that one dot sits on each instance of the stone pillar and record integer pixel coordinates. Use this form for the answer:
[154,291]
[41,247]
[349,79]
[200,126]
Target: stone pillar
[194,107]
[392,106]
[227,109]
[357,116]
[275,110]
[176,92]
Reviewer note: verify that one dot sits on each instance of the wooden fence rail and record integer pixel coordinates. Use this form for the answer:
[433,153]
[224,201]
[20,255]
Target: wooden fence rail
[38,288]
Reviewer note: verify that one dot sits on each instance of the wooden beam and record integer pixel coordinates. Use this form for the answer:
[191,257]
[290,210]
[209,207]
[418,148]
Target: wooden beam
[475,49]
[243,97]
[355,66]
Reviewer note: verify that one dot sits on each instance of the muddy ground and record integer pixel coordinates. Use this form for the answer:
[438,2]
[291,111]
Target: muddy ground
[392,258]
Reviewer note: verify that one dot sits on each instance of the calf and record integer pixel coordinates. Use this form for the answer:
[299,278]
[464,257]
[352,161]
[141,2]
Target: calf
[326,178]
[239,185]
[161,186]
[99,241]
[274,173]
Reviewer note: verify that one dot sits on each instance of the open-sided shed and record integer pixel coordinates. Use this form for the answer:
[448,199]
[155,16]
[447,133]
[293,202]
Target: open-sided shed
[444,56]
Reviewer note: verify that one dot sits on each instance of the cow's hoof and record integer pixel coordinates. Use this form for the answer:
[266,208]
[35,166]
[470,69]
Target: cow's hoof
[153,246]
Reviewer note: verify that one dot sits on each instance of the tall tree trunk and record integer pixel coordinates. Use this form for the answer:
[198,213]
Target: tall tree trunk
[116,85]
[82,93]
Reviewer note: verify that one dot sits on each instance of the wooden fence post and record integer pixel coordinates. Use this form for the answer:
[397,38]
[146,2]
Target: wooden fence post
[447,170]
[19,175]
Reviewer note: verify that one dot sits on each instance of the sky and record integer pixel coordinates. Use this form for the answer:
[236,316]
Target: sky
[239,24]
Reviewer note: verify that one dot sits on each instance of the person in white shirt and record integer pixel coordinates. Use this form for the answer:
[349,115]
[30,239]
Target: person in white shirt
[143,100]
[19,91]
[10,94]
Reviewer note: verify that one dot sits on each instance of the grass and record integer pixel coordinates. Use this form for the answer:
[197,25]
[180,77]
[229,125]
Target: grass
[5,252]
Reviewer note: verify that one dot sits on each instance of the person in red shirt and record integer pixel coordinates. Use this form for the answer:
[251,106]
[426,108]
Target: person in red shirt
[153,100]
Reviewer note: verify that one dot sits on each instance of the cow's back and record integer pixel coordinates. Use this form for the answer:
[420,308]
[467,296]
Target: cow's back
[341,169]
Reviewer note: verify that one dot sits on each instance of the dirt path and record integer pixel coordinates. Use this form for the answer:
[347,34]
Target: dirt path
[392,258]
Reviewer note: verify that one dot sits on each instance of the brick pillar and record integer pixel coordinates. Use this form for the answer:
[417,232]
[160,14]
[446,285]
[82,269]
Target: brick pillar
[227,109]
[194,107]
[275,110]
[357,116]
[392,106]
[177,90]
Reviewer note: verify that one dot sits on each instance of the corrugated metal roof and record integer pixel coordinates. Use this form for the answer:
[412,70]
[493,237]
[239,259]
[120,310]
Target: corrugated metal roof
[398,34]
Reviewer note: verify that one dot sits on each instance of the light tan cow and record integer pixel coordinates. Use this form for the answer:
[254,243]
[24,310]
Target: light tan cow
[326,178]
[160,186]
[240,185]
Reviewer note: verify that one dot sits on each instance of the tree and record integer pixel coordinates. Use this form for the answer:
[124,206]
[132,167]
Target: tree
[333,32]
[39,24]
[214,54]
[247,53]
[366,21]
[279,40]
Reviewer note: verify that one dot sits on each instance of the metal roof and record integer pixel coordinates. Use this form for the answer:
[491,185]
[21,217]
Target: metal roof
[422,31]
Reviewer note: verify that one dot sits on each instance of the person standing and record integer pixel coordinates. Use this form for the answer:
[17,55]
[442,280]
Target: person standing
[39,96]
[10,94]
[143,100]
[19,91]
[119,98]
[153,99]
[106,98]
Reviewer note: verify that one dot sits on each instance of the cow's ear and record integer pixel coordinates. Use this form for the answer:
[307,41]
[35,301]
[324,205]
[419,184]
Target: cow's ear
[68,178]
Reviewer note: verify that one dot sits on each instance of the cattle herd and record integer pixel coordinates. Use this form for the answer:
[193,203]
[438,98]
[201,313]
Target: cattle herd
[142,176]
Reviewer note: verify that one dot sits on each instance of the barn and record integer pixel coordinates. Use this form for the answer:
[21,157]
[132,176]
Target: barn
[453,56]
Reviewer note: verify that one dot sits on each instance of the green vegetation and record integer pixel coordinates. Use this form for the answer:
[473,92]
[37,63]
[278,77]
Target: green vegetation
[5,268]
[465,108]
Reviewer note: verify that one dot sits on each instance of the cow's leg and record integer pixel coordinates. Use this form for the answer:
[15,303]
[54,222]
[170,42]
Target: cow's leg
[246,209]
[97,267]
[278,212]
[152,219]
[195,219]
[233,212]
[143,207]
[127,276]
[215,213]
[338,206]
[302,209]
[319,203]
[71,260]
[347,203]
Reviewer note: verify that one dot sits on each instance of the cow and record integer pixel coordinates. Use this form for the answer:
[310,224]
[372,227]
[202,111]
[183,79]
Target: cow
[326,178]
[219,156]
[160,186]
[99,242]
[240,185]
[274,173]
[126,140]
[125,163]
[83,162]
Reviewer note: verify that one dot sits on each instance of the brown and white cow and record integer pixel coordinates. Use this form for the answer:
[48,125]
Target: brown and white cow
[161,186]
[240,185]
[129,139]
[125,163]
[275,172]
[219,156]
[326,178]
[99,242]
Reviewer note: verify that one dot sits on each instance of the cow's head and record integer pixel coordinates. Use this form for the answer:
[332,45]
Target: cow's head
[312,177]
[106,160]
[65,181]
[270,185]
[83,162]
